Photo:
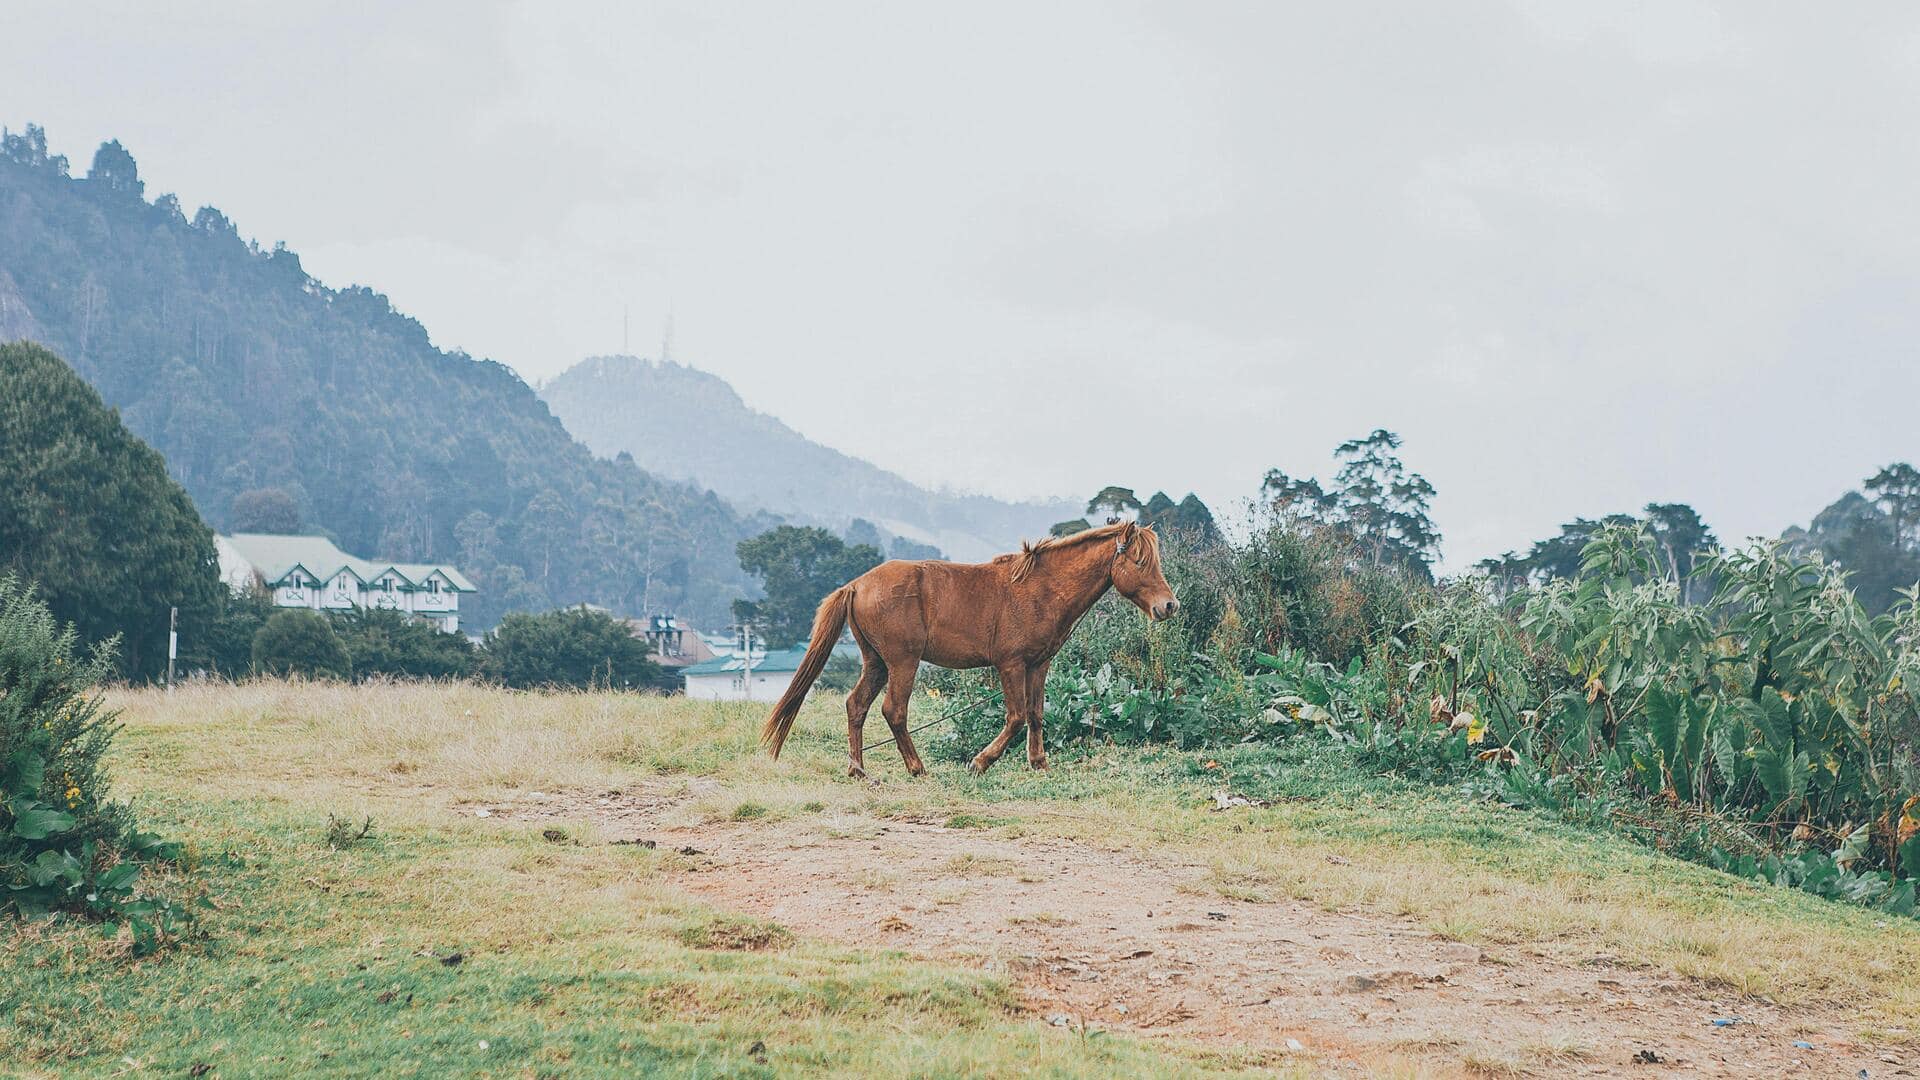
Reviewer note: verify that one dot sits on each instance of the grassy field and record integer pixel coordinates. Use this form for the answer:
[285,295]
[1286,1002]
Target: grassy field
[576,958]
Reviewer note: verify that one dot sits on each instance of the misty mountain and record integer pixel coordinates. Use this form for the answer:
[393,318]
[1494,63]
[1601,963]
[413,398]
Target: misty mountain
[690,425]
[253,379]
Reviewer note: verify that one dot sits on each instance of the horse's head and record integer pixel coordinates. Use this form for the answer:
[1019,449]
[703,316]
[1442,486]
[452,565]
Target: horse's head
[1136,572]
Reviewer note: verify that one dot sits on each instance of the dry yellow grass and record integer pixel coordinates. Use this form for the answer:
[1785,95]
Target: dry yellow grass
[575,959]
[1471,872]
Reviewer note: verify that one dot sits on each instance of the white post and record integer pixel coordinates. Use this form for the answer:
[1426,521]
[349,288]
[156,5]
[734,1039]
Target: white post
[746,635]
[173,641]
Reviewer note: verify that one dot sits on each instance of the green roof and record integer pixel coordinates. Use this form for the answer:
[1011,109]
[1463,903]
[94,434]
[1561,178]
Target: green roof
[777,660]
[275,556]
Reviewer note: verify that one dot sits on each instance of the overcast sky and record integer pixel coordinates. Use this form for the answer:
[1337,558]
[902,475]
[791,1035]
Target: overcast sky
[1581,256]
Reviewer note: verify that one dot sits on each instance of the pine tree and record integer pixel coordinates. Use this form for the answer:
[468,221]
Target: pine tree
[90,517]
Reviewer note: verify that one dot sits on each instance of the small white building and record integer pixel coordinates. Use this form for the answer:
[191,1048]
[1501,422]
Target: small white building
[310,572]
[726,678]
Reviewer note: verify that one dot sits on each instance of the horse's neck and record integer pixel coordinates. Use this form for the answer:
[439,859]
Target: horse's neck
[1079,580]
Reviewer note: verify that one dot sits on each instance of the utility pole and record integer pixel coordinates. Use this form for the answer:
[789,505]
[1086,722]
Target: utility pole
[746,638]
[173,641]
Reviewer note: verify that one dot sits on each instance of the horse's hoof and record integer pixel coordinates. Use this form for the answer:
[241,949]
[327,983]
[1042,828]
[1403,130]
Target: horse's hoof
[977,766]
[856,772]
[1038,763]
[916,770]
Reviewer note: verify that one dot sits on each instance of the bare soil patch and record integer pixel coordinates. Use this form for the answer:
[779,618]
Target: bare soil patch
[1117,940]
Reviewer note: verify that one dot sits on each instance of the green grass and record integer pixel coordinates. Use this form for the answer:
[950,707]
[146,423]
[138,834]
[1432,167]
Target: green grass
[574,960]
[582,959]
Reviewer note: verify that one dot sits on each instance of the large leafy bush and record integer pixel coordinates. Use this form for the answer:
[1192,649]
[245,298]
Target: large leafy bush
[578,647]
[296,641]
[64,845]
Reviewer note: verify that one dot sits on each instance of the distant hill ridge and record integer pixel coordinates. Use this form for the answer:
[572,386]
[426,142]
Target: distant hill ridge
[251,377]
[680,422]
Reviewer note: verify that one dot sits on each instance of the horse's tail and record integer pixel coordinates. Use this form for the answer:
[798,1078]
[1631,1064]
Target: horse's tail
[827,624]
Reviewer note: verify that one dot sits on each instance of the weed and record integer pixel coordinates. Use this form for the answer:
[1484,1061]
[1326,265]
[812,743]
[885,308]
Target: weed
[342,833]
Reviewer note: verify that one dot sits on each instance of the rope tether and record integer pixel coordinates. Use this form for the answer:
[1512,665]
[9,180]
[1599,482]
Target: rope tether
[959,710]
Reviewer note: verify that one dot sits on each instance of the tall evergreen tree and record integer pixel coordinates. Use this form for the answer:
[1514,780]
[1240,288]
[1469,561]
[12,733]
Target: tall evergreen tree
[90,517]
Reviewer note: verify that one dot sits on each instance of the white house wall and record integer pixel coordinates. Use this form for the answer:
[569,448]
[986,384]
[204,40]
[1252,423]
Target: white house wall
[731,686]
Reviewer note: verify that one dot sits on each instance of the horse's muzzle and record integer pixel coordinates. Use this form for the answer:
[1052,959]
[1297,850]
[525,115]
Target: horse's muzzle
[1166,609]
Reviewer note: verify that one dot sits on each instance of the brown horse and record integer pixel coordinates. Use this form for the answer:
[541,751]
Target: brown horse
[1011,614]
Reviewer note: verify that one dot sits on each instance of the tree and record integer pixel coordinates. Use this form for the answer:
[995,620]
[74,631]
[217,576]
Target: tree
[1303,498]
[578,647]
[479,540]
[115,170]
[1068,527]
[546,527]
[89,515]
[862,531]
[1897,489]
[1858,536]
[798,567]
[1158,510]
[29,149]
[1189,516]
[903,548]
[1193,518]
[381,641]
[264,510]
[298,641]
[1114,502]
[1385,507]
[224,644]
[1681,536]
[1375,502]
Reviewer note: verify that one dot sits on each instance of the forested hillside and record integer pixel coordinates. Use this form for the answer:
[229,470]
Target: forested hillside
[691,425]
[253,379]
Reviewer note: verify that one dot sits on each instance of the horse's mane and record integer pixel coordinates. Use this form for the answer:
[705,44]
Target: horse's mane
[1028,557]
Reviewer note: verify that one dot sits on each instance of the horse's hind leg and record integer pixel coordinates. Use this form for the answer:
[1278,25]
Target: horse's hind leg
[1014,691]
[873,676]
[894,708]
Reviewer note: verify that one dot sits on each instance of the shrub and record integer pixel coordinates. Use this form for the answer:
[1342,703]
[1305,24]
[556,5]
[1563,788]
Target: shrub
[295,641]
[224,645]
[381,641]
[578,647]
[64,846]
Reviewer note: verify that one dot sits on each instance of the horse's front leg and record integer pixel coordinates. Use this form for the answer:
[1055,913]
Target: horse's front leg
[1013,689]
[1037,713]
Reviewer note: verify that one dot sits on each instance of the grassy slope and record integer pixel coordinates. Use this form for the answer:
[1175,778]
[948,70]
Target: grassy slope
[579,959]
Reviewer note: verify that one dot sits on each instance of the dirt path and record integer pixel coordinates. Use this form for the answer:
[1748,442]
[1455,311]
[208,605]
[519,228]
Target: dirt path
[1118,941]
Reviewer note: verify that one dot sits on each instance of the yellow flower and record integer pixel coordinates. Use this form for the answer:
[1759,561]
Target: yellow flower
[933,693]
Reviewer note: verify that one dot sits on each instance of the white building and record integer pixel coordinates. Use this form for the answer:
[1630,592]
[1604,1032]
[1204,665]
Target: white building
[725,678]
[309,572]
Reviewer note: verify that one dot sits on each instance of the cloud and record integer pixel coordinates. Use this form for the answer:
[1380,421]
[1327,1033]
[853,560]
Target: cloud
[1582,256]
